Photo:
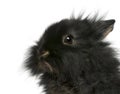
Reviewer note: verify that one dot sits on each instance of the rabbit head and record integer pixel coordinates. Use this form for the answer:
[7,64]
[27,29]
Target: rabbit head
[65,45]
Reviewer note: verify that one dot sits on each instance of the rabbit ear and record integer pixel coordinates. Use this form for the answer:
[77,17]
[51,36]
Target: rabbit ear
[103,28]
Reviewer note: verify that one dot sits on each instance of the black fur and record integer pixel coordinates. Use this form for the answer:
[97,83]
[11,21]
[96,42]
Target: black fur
[87,66]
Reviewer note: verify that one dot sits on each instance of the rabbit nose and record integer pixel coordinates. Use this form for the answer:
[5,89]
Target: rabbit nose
[44,54]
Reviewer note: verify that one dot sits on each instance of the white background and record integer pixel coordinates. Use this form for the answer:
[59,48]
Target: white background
[22,22]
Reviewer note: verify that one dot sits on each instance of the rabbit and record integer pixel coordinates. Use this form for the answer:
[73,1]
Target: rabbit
[72,57]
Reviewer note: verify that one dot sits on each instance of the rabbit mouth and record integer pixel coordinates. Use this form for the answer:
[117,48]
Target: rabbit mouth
[48,66]
[44,62]
[45,66]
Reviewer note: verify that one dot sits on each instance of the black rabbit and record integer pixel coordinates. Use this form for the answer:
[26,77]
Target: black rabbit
[73,58]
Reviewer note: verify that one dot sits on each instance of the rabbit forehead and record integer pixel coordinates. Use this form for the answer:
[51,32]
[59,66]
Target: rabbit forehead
[78,29]
[75,27]
[54,34]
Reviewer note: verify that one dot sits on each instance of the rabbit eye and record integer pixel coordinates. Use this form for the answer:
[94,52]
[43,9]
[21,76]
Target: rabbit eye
[68,39]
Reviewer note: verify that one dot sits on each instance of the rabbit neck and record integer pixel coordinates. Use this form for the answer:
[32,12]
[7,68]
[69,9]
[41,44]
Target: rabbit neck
[100,63]
[99,67]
